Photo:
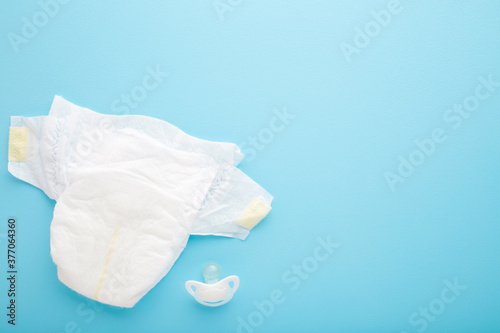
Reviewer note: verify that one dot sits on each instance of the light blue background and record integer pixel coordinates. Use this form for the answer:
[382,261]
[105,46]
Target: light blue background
[325,169]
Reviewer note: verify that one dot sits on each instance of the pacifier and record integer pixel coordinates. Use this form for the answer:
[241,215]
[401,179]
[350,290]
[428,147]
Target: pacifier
[213,292]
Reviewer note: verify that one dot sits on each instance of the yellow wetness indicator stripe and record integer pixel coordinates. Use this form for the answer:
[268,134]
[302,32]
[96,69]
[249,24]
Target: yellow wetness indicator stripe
[254,213]
[106,263]
[17,144]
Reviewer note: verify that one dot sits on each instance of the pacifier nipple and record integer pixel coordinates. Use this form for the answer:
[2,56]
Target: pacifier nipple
[211,273]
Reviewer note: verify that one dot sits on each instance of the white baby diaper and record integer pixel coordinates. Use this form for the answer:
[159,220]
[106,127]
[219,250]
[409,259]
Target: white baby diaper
[129,190]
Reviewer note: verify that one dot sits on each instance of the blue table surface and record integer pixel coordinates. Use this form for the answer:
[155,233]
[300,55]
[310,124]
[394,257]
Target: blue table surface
[388,147]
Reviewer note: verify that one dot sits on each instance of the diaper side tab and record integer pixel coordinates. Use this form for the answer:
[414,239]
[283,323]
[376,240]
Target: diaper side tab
[233,207]
[32,152]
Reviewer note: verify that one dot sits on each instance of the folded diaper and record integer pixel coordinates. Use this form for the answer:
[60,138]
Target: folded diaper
[129,190]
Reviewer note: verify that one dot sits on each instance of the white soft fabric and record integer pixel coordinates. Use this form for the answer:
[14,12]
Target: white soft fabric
[129,190]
